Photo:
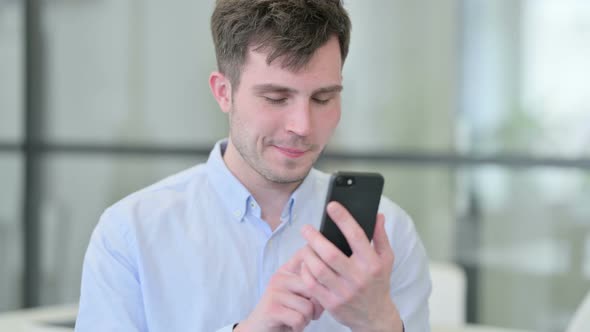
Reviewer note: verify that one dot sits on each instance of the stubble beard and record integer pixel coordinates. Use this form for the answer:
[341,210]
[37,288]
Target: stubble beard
[249,154]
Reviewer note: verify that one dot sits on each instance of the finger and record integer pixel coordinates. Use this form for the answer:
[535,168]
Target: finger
[293,265]
[352,231]
[318,310]
[298,304]
[323,273]
[380,238]
[293,320]
[292,283]
[326,250]
[323,296]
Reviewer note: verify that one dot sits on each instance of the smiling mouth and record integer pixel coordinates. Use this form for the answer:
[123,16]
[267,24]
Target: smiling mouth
[289,152]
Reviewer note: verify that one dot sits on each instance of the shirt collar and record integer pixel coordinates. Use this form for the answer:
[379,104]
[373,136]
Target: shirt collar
[231,191]
[300,196]
[238,199]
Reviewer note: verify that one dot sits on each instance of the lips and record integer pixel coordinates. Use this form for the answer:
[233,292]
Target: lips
[290,152]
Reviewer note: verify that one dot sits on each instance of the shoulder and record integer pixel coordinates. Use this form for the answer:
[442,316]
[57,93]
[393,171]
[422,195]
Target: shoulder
[168,189]
[152,203]
[319,178]
[394,213]
[400,227]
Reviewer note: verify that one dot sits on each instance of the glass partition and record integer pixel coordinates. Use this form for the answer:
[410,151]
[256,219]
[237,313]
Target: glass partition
[11,70]
[11,245]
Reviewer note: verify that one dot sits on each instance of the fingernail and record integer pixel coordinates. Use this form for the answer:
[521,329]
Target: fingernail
[305,229]
[333,209]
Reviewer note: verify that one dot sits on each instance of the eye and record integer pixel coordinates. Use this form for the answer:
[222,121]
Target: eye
[275,101]
[321,101]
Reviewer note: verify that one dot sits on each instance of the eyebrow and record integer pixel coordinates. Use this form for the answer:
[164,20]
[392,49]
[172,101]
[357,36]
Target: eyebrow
[265,88]
[329,89]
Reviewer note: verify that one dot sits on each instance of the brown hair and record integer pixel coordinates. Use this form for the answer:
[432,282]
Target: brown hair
[290,29]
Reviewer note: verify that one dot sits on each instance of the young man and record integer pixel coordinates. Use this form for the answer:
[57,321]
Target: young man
[233,244]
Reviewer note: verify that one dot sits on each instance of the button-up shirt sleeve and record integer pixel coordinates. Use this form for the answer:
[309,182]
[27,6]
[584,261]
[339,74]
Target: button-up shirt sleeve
[228,328]
[111,293]
[410,281]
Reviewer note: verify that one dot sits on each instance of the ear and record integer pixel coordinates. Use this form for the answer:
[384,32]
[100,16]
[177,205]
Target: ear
[221,89]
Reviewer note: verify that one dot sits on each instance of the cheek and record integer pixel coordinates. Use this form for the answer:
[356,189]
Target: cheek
[247,112]
[261,122]
[337,117]
[327,122]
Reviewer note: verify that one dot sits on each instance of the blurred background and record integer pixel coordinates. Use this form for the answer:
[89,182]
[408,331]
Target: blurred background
[477,112]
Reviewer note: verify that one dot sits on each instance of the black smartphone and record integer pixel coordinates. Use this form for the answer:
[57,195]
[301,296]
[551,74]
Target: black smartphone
[360,193]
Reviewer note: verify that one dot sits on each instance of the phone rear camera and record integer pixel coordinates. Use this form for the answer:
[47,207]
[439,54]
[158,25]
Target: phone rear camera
[344,181]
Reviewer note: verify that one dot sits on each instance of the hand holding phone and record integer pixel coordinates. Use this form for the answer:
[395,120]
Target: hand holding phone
[360,193]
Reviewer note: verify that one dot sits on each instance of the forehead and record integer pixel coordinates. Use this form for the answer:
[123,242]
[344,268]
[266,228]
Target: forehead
[323,68]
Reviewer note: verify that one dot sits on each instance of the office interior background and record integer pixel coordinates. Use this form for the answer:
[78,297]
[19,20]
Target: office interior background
[477,112]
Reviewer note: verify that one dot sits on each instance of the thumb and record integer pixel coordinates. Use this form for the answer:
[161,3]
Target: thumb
[294,264]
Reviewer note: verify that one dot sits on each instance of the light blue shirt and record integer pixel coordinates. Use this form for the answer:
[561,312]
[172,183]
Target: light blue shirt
[191,253]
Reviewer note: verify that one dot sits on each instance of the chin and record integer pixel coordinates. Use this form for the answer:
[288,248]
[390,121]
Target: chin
[289,175]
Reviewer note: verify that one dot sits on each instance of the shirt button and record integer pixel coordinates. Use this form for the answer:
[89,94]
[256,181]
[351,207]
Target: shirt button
[252,205]
[237,213]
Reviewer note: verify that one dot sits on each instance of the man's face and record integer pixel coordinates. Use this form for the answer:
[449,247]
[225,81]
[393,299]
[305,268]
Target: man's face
[281,120]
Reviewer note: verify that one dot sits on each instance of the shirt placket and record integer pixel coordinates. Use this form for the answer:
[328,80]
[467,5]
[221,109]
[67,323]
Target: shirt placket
[270,247]
[269,262]
[270,257]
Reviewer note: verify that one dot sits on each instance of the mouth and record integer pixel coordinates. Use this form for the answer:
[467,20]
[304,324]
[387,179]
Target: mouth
[290,152]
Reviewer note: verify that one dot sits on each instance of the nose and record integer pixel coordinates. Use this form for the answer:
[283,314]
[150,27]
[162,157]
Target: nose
[299,119]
